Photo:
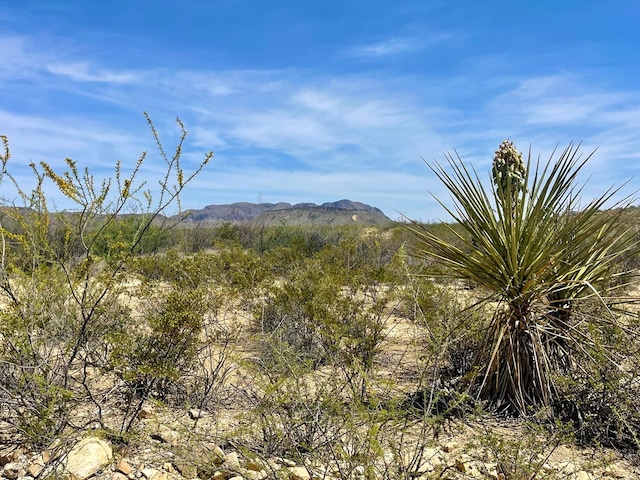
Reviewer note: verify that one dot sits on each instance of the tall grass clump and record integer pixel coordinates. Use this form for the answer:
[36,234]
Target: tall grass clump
[545,260]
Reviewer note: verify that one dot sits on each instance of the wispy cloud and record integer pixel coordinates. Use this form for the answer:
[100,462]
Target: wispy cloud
[84,72]
[398,45]
[566,100]
[18,59]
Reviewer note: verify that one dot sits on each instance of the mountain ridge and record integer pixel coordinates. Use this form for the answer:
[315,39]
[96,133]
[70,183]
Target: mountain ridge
[329,213]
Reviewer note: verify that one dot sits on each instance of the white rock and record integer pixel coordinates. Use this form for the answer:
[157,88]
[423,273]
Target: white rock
[149,472]
[11,471]
[232,461]
[87,457]
[299,473]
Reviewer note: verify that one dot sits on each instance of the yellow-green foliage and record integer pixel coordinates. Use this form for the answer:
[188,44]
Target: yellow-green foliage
[62,277]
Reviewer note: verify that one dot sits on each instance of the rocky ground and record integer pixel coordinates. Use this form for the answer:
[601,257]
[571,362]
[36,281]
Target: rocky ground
[170,444]
[168,456]
[174,446]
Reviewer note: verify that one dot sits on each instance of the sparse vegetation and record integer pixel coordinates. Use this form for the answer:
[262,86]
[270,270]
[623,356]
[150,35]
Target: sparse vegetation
[336,349]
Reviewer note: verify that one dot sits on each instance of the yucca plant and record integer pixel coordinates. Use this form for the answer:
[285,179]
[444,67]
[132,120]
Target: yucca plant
[540,255]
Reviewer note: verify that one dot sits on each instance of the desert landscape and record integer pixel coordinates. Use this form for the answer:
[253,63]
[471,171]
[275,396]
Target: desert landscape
[144,345]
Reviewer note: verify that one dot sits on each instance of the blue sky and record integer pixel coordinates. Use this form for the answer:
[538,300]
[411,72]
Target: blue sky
[315,101]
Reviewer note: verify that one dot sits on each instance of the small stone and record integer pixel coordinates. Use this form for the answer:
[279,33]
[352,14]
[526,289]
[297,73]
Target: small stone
[492,470]
[232,461]
[461,466]
[285,461]
[432,459]
[299,473]
[148,472]
[567,468]
[123,467]
[613,471]
[35,469]
[168,436]
[253,475]
[5,458]
[237,477]
[87,458]
[119,476]
[215,451]
[195,414]
[359,470]
[9,455]
[145,412]
[465,464]
[11,471]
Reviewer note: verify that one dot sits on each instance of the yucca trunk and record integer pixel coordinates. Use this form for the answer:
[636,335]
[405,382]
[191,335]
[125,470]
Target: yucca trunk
[519,358]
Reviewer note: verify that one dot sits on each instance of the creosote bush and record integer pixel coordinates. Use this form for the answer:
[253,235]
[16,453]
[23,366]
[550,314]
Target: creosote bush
[62,279]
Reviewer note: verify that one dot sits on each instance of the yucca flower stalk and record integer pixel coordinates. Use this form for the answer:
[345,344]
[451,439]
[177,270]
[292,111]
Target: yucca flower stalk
[509,172]
[539,254]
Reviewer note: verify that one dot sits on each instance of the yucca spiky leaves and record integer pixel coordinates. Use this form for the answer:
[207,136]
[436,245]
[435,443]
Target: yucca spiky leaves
[528,242]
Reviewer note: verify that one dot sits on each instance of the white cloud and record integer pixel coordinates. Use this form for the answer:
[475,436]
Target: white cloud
[18,59]
[84,72]
[398,45]
[564,100]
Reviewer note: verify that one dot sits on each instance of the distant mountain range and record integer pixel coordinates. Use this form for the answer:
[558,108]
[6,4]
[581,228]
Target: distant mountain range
[331,213]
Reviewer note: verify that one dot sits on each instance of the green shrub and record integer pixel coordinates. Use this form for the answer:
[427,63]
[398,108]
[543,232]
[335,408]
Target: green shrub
[63,277]
[332,309]
[165,346]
